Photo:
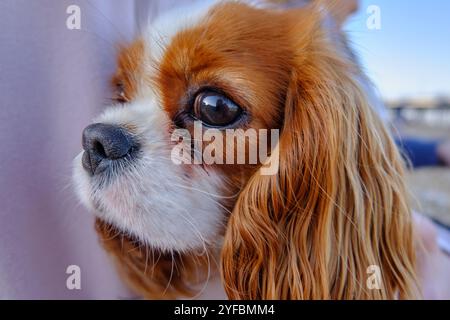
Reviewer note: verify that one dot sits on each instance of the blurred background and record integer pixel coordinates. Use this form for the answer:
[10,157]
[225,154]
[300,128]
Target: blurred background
[53,81]
[408,59]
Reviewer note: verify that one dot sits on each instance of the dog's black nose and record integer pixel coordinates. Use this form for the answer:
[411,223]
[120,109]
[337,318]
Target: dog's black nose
[104,142]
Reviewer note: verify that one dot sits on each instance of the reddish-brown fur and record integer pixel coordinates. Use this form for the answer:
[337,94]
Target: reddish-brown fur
[129,68]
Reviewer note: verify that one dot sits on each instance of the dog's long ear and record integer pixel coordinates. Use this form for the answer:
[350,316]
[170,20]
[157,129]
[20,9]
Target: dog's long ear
[339,10]
[334,222]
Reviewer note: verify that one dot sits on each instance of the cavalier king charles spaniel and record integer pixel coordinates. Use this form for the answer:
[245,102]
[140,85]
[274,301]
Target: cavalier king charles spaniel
[335,208]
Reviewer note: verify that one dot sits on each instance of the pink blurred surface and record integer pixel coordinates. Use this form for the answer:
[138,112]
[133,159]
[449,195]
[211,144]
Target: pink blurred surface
[52,82]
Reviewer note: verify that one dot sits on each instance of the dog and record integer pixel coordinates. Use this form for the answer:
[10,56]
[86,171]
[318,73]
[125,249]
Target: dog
[335,208]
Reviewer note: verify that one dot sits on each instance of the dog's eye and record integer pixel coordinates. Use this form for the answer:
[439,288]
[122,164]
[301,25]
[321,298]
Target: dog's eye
[120,95]
[215,109]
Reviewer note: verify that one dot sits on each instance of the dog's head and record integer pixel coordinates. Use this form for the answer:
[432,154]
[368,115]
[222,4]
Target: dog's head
[160,171]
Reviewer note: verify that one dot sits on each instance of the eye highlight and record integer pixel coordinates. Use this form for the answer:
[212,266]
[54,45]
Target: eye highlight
[215,109]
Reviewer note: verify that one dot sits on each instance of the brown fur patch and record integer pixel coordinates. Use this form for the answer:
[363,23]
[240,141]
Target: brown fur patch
[129,68]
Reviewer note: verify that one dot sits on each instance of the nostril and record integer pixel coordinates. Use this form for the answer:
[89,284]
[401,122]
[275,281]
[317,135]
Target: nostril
[99,149]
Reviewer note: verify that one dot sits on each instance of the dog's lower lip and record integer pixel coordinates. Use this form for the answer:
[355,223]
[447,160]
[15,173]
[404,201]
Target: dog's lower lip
[85,161]
[102,166]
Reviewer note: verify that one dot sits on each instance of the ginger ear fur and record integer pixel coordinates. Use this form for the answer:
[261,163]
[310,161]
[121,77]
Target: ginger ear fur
[338,204]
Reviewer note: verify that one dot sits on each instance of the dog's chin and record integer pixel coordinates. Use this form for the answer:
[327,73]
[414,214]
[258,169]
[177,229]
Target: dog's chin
[152,209]
[154,273]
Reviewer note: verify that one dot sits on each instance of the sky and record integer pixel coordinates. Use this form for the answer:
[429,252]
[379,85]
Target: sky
[409,56]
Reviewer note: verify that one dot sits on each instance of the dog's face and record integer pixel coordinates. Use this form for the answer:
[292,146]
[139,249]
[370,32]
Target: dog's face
[228,71]
[237,67]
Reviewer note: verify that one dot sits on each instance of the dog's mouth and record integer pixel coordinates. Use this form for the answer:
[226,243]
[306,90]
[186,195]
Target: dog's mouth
[151,272]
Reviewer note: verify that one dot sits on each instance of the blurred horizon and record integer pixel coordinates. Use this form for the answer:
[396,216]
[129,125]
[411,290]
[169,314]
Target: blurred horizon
[408,59]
